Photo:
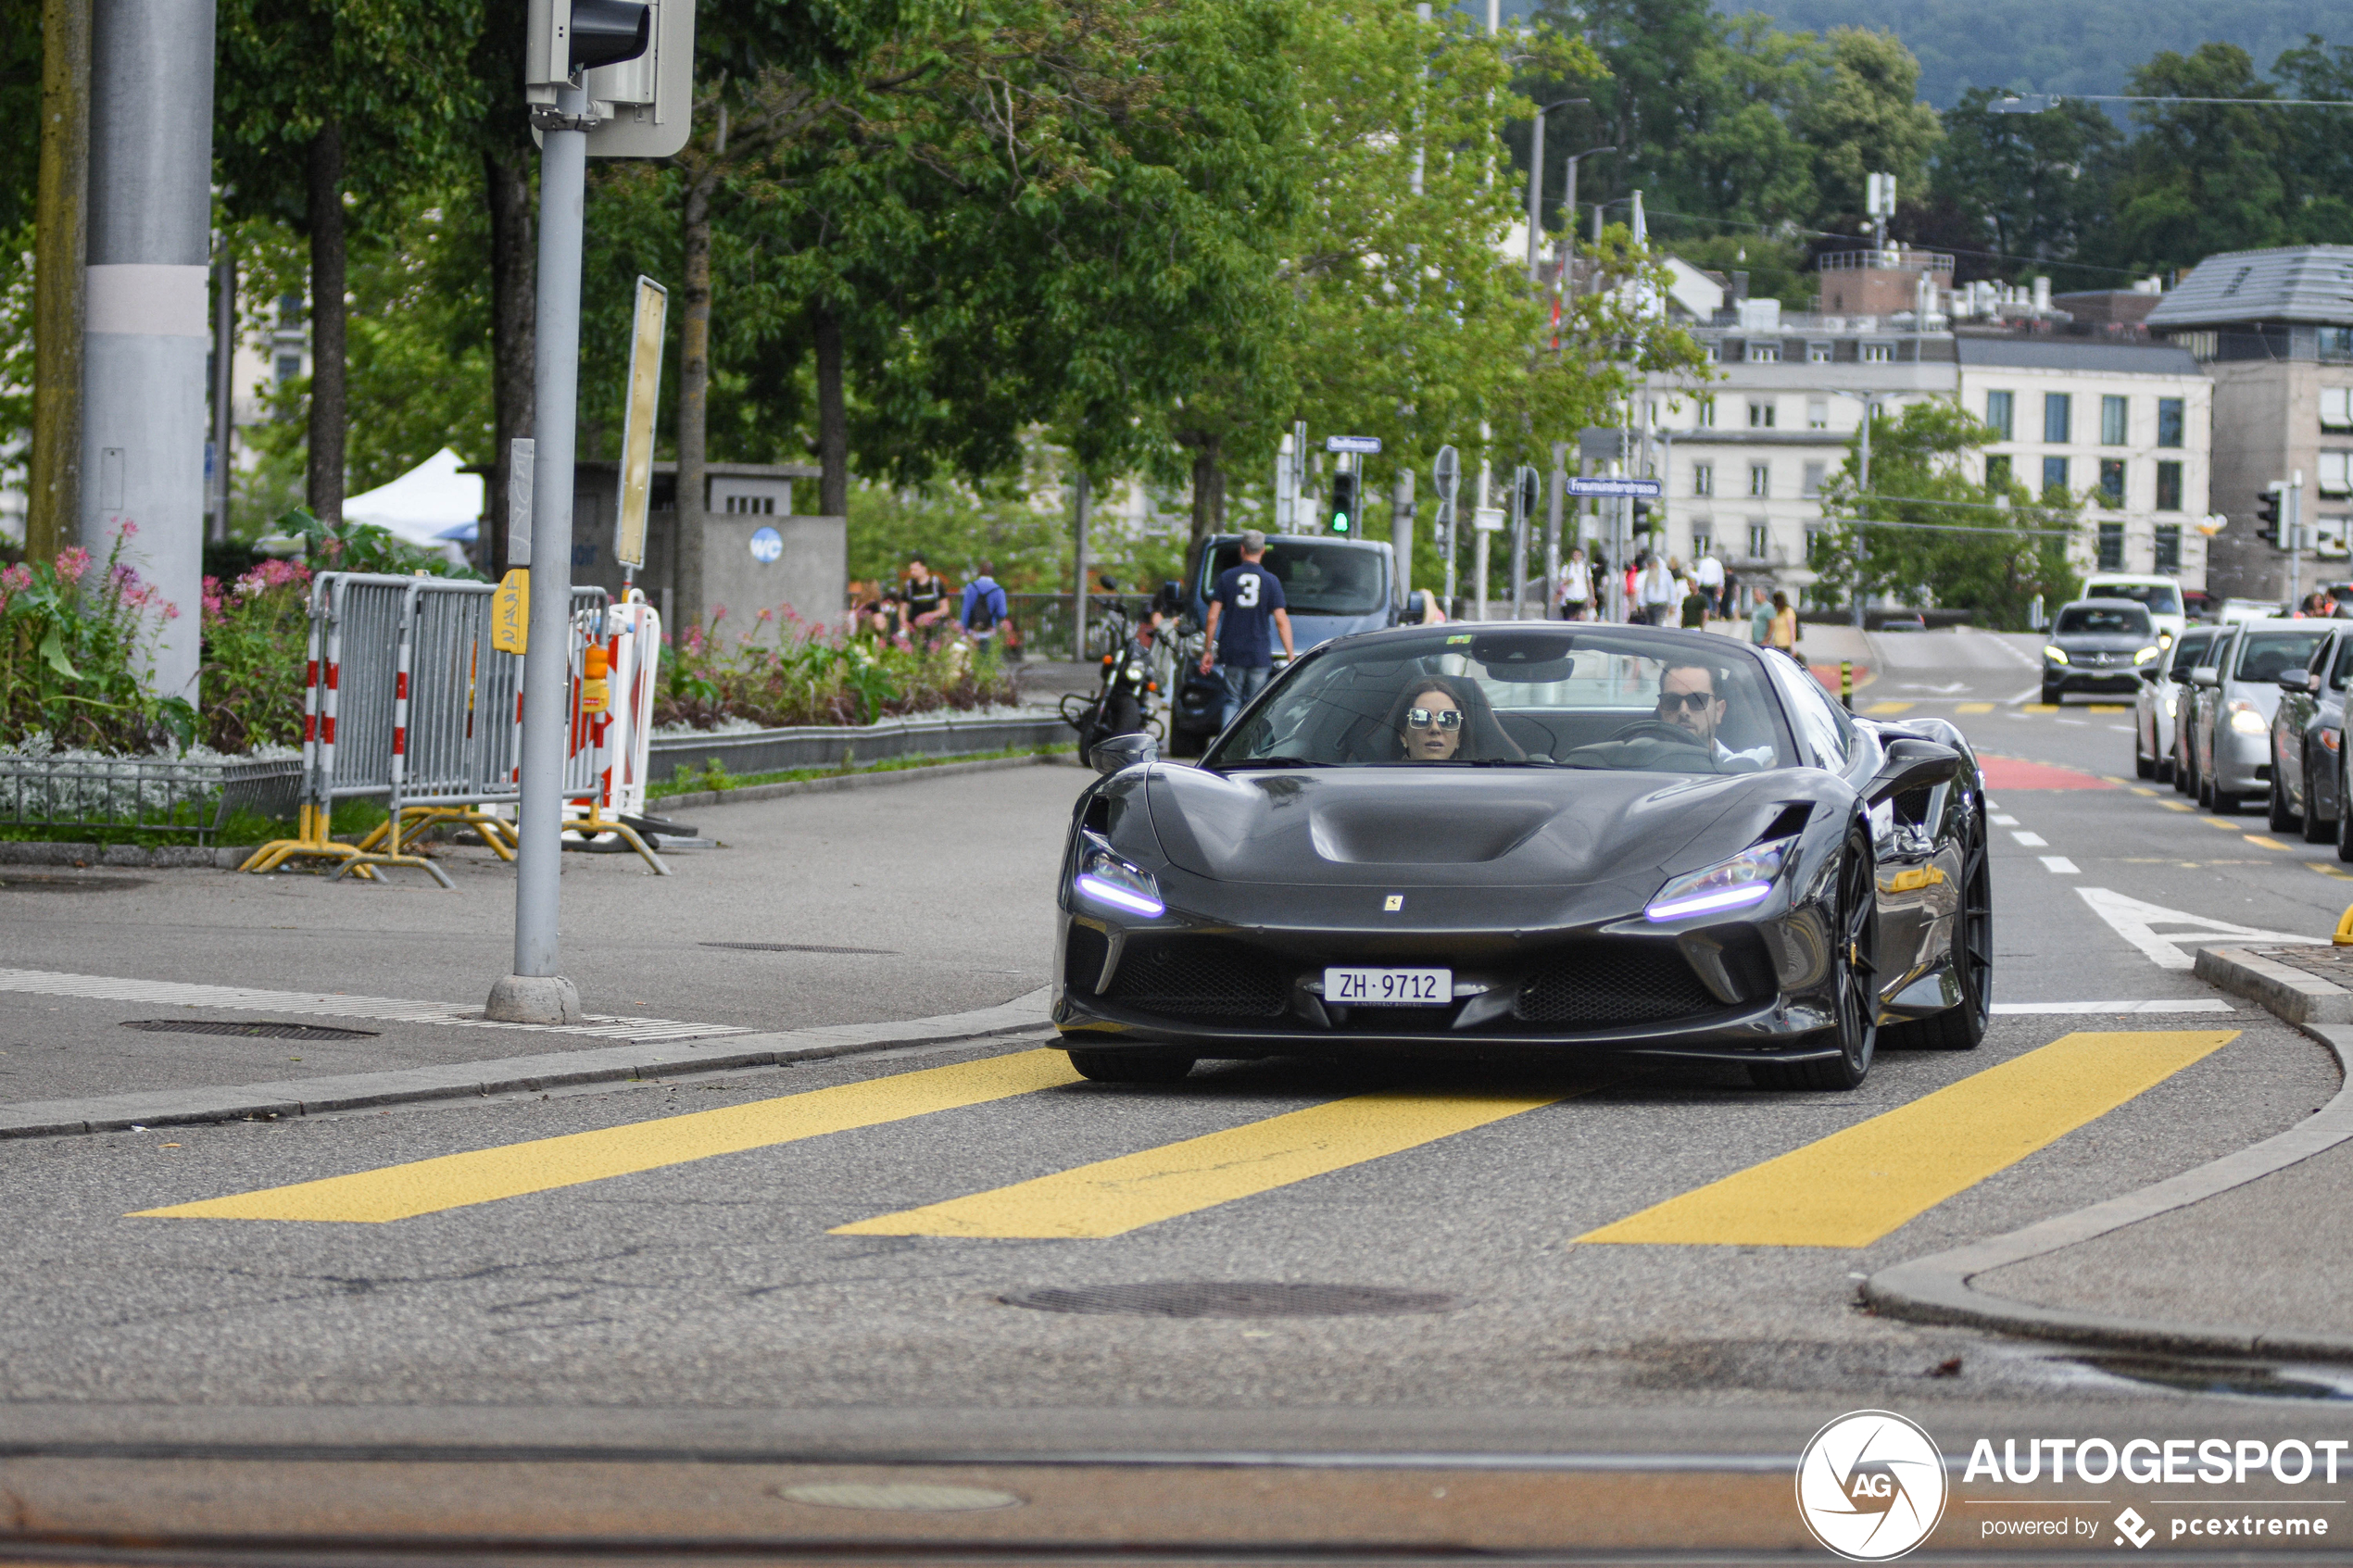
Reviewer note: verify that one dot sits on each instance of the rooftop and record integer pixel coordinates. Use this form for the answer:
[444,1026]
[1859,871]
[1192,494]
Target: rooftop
[2307,283]
[2047,351]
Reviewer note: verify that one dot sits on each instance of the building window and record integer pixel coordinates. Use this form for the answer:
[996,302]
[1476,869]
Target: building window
[762,505]
[1702,478]
[1715,352]
[2058,414]
[290,310]
[1999,407]
[1760,541]
[2111,547]
[1818,414]
[1760,416]
[1701,539]
[2336,408]
[2336,343]
[2168,546]
[1813,484]
[2168,422]
[2112,482]
[1997,472]
[1707,413]
[2055,473]
[1760,479]
[2333,475]
[1817,353]
[2169,487]
[289,366]
[2116,422]
[1763,354]
[1879,354]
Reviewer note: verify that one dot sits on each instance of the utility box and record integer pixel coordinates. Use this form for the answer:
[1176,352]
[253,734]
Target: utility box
[758,553]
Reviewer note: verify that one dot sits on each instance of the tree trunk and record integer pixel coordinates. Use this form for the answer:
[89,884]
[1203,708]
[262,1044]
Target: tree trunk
[832,418]
[694,406]
[323,202]
[53,500]
[1209,488]
[514,306]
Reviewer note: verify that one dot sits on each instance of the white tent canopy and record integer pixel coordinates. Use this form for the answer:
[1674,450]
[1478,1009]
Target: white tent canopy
[425,504]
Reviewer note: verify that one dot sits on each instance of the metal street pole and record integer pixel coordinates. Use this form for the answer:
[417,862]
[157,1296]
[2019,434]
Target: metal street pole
[1553,527]
[60,251]
[536,993]
[1078,599]
[2295,538]
[224,386]
[1864,479]
[1401,530]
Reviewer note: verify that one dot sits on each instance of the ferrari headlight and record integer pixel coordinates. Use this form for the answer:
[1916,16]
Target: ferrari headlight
[1745,879]
[2056,655]
[2248,720]
[2145,655]
[1110,881]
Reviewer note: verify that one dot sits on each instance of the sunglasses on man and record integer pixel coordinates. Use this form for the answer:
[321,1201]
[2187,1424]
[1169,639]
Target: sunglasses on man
[1444,719]
[1670,702]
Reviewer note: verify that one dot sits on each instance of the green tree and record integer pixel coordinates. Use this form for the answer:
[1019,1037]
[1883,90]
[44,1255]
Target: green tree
[2035,186]
[1862,116]
[2317,154]
[2199,177]
[1928,535]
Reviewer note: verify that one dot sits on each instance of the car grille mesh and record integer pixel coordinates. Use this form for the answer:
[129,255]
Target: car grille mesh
[1199,977]
[1601,985]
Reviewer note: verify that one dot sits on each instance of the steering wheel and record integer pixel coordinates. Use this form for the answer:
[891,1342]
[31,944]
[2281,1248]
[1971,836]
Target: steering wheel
[1657,729]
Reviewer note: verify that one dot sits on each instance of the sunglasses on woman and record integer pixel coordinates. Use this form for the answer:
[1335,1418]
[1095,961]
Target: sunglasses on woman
[1445,718]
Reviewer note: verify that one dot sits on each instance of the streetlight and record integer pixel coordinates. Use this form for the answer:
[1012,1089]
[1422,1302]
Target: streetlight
[1536,179]
[1568,197]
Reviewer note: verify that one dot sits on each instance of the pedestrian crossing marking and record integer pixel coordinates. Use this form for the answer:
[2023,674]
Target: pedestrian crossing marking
[1889,708]
[457,1181]
[1113,1197]
[1854,1186]
[1974,707]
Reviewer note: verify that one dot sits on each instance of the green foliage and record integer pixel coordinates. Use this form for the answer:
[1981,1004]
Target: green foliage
[803,675]
[363,546]
[256,647]
[2035,186]
[76,651]
[954,530]
[1958,552]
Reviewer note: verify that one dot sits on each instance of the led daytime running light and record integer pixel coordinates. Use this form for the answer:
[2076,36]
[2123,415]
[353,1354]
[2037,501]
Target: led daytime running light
[1747,878]
[1107,879]
[1709,903]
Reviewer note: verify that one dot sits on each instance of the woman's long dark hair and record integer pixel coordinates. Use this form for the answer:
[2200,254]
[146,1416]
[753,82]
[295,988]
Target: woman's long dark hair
[1484,739]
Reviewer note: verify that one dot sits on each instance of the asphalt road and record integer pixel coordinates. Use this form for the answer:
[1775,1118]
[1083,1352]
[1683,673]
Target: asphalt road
[812,1264]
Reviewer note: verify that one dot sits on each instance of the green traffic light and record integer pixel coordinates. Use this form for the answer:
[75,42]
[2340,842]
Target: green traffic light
[1339,522]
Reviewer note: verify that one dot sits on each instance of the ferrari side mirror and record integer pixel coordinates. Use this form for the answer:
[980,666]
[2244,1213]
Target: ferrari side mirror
[1911,764]
[1114,752]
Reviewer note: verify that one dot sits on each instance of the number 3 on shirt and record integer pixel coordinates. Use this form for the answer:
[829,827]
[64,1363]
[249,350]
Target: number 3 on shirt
[1246,592]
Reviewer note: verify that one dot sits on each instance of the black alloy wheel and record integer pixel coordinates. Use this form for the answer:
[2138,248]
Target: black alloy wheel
[2317,828]
[1962,1026]
[1130,1067]
[1853,982]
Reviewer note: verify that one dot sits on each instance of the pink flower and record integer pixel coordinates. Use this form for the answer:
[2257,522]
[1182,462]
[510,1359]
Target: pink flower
[72,562]
[130,530]
[170,610]
[17,579]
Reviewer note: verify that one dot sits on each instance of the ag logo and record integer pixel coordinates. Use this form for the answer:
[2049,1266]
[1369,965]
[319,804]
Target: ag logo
[1870,1485]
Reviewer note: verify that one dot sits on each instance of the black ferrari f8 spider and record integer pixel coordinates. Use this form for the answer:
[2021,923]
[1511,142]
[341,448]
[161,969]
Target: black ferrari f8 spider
[1566,839]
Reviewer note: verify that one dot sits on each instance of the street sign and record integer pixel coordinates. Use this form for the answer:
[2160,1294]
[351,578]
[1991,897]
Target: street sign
[637,424]
[1601,443]
[1367,445]
[1446,473]
[511,613]
[1487,520]
[1614,487]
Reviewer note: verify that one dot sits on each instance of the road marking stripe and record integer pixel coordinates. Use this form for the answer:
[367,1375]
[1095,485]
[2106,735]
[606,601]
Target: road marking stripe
[1854,1186]
[1974,707]
[2262,843]
[2059,864]
[2326,869]
[2032,840]
[2183,1004]
[1113,1197]
[2218,822]
[2137,923]
[1885,709]
[2138,789]
[2002,819]
[2177,804]
[457,1181]
[239,998]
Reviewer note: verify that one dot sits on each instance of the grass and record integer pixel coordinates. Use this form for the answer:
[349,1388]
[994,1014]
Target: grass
[714,778]
[352,818]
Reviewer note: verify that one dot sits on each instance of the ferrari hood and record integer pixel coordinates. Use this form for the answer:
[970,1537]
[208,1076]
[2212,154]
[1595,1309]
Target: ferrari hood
[1560,827]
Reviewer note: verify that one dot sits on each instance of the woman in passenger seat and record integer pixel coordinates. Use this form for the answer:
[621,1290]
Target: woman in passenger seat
[1438,719]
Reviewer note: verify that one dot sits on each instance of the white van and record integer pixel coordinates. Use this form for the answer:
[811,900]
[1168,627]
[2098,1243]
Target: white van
[2161,596]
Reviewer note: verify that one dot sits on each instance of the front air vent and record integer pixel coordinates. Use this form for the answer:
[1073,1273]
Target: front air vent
[1607,985]
[1199,977]
[1789,823]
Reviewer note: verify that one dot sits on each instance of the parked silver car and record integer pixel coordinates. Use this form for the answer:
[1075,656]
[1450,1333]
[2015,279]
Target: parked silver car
[2153,705]
[2235,696]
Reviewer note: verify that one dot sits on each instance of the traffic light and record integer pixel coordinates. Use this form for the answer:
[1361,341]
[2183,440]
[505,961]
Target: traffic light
[2267,517]
[1642,523]
[1343,508]
[634,61]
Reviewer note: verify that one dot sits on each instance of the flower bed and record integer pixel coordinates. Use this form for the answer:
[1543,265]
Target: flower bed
[812,676]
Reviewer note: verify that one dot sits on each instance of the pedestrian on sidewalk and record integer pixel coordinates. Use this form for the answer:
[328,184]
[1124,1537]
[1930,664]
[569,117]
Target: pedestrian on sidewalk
[926,595]
[1245,608]
[1696,604]
[1709,573]
[1784,632]
[1577,587]
[1657,592]
[1760,621]
[983,610]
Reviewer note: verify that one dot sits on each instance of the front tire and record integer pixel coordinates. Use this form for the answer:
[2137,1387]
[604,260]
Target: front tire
[1962,1026]
[2279,819]
[1853,982]
[2051,695]
[2317,830]
[1130,1067]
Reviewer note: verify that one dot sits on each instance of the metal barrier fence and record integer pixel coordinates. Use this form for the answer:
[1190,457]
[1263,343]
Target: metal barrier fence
[144,794]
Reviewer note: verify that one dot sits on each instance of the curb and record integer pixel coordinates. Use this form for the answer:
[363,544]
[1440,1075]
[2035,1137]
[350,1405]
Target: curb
[2299,997]
[473,1080]
[1937,1290]
[223,857]
[856,781]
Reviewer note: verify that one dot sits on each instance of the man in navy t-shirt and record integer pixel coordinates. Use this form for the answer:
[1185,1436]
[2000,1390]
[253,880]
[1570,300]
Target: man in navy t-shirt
[1246,605]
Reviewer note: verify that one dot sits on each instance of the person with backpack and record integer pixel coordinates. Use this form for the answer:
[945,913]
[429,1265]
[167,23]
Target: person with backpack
[1245,607]
[983,608]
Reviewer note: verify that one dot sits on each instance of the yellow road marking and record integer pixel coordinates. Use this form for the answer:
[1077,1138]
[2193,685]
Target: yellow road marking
[2326,869]
[2106,708]
[2218,822]
[2038,707]
[2262,843]
[2137,789]
[1852,1188]
[1974,707]
[1889,707]
[1113,1197]
[2177,804]
[455,1181]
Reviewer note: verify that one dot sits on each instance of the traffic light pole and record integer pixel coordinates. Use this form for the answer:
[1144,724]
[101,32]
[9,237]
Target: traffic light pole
[2295,538]
[536,993]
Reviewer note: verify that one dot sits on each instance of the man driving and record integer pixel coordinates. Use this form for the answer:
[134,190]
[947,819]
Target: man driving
[1689,699]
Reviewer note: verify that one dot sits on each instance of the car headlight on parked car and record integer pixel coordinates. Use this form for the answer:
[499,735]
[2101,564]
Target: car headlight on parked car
[1745,879]
[2145,655]
[2165,639]
[1110,881]
[2247,719]
[2056,655]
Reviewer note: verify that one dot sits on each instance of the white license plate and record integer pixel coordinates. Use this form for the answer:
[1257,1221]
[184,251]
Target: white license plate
[1390,988]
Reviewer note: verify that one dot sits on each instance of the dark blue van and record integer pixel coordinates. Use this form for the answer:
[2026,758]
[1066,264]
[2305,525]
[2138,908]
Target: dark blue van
[1331,587]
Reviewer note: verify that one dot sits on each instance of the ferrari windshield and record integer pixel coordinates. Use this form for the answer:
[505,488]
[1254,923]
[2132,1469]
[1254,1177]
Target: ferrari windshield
[1624,697]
